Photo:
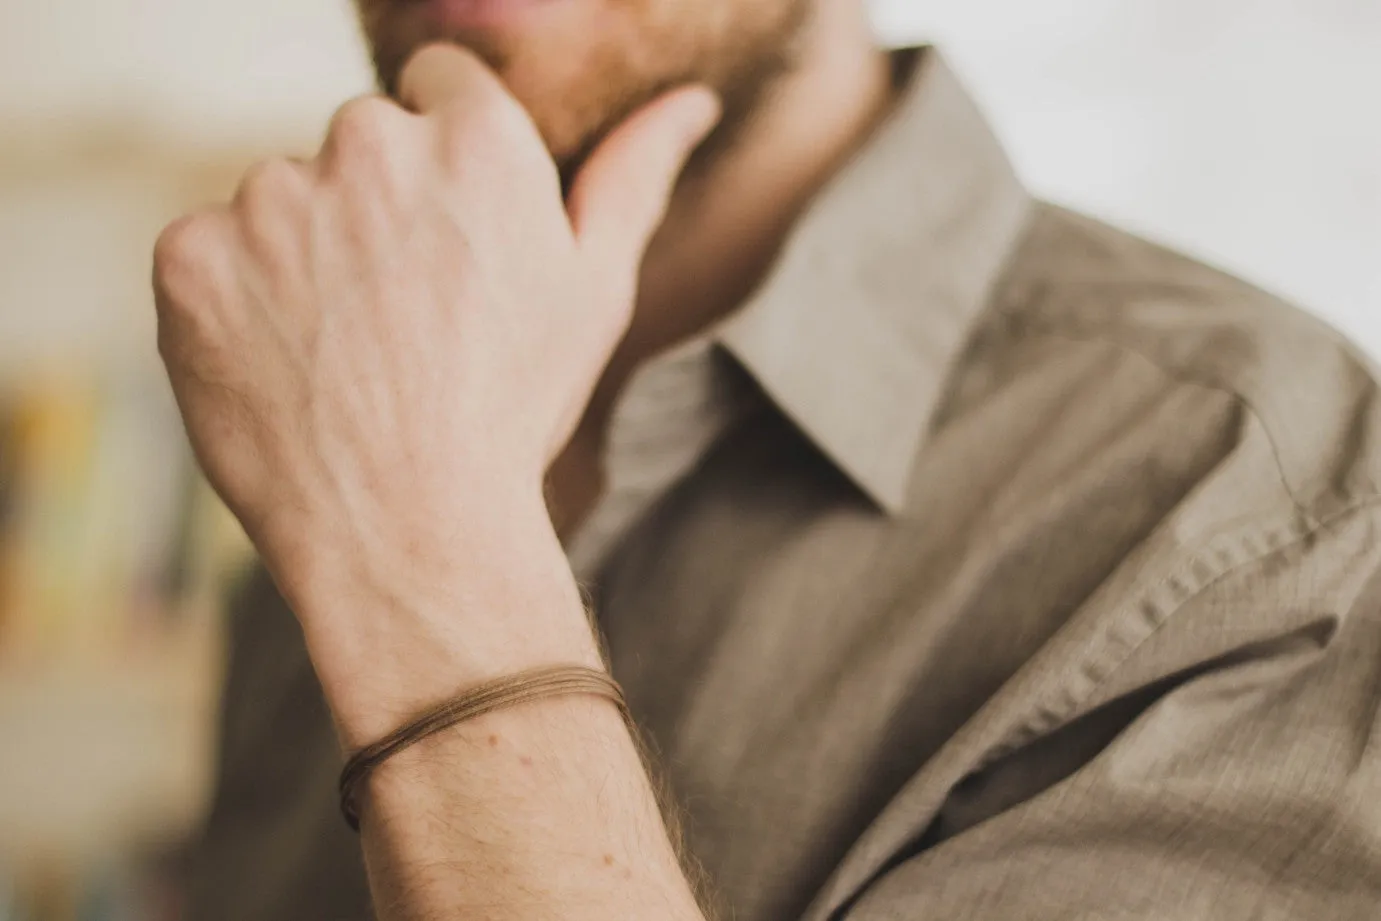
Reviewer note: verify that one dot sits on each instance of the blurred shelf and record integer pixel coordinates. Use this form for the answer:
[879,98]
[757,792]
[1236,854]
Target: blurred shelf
[108,757]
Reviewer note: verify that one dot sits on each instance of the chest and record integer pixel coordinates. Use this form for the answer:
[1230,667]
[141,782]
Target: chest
[796,656]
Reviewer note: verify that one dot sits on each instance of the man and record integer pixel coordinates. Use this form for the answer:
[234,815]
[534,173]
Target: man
[960,557]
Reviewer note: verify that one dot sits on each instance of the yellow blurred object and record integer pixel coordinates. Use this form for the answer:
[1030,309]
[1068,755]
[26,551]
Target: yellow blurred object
[113,552]
[52,435]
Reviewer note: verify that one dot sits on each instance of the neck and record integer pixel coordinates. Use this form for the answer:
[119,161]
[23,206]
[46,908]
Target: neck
[729,219]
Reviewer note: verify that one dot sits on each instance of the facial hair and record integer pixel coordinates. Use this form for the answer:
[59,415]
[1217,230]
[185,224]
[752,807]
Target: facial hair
[615,78]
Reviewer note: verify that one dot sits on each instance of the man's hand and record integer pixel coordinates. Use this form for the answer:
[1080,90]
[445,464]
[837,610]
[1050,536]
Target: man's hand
[378,352]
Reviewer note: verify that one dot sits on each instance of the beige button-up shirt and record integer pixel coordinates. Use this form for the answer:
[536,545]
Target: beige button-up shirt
[991,563]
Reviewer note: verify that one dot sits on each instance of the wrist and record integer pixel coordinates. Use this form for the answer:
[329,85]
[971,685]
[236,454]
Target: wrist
[397,618]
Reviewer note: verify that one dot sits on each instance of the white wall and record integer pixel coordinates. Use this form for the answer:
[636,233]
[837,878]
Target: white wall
[1245,130]
[223,66]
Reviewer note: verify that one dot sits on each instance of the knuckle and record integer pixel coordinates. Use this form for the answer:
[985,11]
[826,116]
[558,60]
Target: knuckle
[267,188]
[495,131]
[363,125]
[505,117]
[270,179]
[189,271]
[183,249]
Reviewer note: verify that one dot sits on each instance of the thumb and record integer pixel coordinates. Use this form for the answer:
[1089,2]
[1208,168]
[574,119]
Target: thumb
[620,197]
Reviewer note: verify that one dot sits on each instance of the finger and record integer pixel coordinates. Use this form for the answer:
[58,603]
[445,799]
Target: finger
[365,124]
[193,264]
[273,180]
[439,75]
[621,196]
[190,255]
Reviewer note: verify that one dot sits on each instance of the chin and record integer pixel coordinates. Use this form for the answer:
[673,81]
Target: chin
[582,66]
[568,78]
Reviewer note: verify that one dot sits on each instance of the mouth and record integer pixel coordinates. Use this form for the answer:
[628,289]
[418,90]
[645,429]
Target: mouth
[478,14]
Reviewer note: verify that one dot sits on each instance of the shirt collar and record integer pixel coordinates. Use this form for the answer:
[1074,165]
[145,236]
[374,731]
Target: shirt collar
[855,331]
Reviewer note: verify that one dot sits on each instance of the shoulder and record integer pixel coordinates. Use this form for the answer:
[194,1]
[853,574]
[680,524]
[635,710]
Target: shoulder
[1312,392]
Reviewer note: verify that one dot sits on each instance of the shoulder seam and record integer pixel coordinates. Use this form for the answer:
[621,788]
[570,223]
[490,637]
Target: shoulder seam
[1025,325]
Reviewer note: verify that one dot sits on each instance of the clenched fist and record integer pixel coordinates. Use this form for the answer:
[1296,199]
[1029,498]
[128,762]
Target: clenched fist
[379,350]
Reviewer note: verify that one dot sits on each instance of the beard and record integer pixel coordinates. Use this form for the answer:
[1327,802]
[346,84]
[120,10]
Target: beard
[580,72]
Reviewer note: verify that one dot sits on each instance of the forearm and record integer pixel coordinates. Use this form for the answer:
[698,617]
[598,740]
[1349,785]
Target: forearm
[543,809]
[539,811]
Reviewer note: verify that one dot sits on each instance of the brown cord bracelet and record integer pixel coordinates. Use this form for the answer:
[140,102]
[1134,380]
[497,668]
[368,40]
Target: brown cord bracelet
[492,695]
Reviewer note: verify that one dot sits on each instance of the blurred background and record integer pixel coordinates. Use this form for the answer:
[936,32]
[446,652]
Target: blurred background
[1246,131]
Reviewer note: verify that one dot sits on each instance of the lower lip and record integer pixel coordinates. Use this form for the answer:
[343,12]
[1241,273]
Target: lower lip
[469,14]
